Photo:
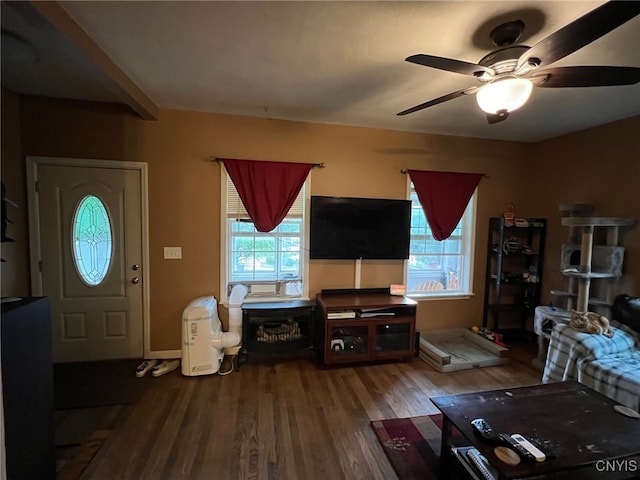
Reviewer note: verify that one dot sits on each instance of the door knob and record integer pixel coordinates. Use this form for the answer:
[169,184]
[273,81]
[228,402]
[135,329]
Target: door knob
[135,267]
[135,280]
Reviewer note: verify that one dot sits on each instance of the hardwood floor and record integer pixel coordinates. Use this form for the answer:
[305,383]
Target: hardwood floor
[282,419]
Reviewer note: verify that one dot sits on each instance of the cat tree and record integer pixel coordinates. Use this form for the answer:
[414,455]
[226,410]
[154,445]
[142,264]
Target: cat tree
[591,259]
[592,253]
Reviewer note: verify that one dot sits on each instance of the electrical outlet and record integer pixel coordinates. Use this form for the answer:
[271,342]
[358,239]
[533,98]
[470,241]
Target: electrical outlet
[173,253]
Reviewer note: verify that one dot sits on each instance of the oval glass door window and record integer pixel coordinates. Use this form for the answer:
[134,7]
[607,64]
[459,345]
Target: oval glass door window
[92,240]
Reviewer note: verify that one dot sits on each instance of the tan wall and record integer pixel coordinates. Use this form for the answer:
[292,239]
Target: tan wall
[601,167]
[15,269]
[184,188]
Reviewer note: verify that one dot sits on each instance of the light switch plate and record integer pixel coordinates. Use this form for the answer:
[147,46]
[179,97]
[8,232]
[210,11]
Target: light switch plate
[173,253]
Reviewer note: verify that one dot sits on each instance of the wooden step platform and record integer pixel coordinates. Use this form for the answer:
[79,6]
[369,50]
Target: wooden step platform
[454,349]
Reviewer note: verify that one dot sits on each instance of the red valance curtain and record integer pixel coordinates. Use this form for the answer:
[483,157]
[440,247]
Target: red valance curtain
[267,189]
[444,197]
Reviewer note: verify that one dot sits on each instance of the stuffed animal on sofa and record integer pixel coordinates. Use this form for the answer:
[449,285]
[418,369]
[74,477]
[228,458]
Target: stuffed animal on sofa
[590,322]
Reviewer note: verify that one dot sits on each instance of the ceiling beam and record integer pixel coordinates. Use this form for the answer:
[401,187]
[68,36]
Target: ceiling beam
[116,79]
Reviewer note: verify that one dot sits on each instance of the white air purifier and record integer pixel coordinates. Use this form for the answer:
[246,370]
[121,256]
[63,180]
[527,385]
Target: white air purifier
[203,341]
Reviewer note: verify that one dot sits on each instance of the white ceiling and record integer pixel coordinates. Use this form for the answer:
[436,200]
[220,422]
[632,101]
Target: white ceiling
[328,62]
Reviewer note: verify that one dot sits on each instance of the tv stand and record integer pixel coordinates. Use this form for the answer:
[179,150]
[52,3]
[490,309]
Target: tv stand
[355,291]
[364,325]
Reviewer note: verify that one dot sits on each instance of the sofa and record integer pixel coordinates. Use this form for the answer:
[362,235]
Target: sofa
[610,366]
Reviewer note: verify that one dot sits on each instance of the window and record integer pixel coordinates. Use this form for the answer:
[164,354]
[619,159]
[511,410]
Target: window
[439,268]
[272,265]
[91,240]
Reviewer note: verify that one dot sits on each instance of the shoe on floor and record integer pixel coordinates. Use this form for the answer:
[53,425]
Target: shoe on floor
[228,364]
[165,366]
[144,367]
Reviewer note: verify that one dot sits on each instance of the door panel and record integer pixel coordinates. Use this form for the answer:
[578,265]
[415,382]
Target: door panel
[92,322]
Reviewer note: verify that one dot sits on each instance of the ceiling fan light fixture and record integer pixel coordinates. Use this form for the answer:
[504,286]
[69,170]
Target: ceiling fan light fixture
[507,94]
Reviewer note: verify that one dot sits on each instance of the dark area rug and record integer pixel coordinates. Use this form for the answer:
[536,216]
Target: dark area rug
[97,384]
[91,399]
[75,425]
[81,433]
[412,445]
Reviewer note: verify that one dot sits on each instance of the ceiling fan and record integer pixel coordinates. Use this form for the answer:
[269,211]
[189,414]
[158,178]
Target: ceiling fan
[508,75]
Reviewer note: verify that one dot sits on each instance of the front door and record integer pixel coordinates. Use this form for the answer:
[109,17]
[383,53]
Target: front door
[90,229]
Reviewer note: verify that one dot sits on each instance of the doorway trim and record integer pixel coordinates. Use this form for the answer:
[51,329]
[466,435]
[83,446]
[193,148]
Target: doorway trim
[33,162]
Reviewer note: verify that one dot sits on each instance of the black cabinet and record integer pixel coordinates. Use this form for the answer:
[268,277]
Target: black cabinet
[27,389]
[515,257]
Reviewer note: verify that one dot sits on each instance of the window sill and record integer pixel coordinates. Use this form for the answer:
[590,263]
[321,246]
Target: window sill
[440,296]
[269,300]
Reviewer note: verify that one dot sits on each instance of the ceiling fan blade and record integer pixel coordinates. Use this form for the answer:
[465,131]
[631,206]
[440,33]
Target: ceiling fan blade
[449,64]
[580,32]
[587,76]
[501,116]
[444,98]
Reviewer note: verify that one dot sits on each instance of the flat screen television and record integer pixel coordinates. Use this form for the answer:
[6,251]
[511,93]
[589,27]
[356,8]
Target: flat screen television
[353,228]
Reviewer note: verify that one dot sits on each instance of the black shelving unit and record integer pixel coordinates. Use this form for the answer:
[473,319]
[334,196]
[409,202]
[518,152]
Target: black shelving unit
[515,259]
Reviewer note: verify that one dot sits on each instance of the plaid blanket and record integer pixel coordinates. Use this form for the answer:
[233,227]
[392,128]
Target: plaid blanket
[610,366]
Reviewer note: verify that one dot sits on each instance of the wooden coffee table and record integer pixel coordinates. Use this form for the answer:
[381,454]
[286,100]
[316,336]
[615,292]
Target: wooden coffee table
[575,425]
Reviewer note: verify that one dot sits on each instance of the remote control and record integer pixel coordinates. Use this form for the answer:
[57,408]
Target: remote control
[520,450]
[531,448]
[483,429]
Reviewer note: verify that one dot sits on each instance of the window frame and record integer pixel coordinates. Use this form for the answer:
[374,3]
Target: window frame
[225,249]
[468,240]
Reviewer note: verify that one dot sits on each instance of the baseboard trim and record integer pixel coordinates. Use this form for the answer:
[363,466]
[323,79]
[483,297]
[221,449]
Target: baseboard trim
[164,354]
